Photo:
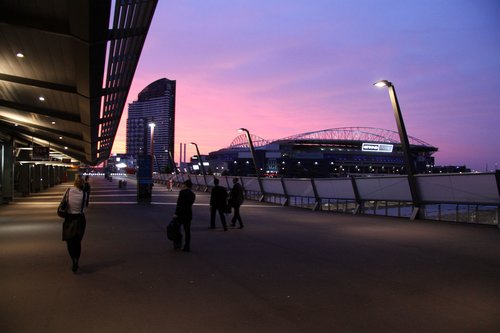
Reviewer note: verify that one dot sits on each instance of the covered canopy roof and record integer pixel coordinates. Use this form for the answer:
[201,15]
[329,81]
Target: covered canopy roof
[65,71]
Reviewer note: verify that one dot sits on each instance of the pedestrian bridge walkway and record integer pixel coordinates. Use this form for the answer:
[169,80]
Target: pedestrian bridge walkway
[289,270]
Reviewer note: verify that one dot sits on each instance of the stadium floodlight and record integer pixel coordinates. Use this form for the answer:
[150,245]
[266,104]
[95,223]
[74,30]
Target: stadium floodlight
[405,144]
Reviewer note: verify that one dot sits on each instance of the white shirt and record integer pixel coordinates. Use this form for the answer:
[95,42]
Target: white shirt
[75,200]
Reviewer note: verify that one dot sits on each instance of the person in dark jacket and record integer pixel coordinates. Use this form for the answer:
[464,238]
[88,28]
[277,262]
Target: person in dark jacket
[86,189]
[184,212]
[236,198]
[218,203]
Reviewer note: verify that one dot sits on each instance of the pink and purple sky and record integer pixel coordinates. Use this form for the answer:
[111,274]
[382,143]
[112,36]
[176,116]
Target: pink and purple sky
[284,67]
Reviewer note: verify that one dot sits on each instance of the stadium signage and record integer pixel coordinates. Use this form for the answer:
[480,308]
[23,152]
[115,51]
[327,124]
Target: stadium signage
[377,147]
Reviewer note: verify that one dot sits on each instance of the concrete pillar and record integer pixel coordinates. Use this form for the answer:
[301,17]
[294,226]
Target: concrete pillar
[36,176]
[58,175]
[25,179]
[45,177]
[51,173]
[8,172]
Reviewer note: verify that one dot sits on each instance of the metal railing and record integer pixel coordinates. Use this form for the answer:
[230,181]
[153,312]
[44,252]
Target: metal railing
[469,198]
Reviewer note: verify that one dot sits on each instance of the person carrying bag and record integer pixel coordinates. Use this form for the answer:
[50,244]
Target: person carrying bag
[74,221]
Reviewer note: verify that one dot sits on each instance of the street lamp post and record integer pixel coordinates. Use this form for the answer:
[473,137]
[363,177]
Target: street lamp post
[171,158]
[152,126]
[405,145]
[201,165]
[252,149]
[252,152]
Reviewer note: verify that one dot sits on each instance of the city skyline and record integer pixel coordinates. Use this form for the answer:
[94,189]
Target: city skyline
[280,68]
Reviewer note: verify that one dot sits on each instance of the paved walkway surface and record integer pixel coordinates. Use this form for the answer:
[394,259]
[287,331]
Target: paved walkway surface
[288,270]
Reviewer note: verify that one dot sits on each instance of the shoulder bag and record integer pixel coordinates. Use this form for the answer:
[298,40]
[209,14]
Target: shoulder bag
[62,209]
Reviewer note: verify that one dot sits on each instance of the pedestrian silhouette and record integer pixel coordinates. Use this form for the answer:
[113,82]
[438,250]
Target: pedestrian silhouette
[236,199]
[218,203]
[184,212]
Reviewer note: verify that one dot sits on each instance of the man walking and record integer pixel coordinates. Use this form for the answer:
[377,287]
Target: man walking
[184,212]
[236,198]
[218,203]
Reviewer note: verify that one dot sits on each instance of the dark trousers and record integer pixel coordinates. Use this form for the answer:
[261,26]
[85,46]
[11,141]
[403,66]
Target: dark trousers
[213,211]
[236,216]
[74,244]
[187,234]
[74,248]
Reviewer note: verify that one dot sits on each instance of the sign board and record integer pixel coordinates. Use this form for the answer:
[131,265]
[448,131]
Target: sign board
[41,153]
[377,147]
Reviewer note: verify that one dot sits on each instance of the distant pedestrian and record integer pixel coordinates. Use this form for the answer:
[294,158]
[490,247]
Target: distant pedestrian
[218,203]
[184,212]
[236,199]
[75,223]
[86,189]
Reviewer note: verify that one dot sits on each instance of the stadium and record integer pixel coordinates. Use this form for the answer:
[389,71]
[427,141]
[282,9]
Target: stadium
[335,152]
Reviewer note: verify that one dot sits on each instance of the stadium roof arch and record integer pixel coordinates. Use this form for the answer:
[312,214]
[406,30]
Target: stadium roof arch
[241,141]
[341,134]
[66,68]
[365,134]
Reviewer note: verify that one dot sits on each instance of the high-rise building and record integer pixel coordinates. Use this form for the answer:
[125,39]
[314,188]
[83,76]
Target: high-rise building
[155,104]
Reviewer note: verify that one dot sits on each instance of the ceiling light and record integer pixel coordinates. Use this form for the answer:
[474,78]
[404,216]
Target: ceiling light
[41,98]
[60,138]
[53,122]
[20,55]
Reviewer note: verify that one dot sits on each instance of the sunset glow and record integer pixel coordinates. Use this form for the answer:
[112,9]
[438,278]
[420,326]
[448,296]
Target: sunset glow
[280,68]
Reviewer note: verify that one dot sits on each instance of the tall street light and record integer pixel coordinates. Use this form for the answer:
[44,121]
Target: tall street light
[171,158]
[252,149]
[252,152]
[405,145]
[201,165]
[152,126]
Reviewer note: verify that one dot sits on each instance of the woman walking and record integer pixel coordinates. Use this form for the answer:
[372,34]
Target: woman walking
[74,222]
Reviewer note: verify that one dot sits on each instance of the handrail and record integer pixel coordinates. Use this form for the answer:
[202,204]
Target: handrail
[472,189]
